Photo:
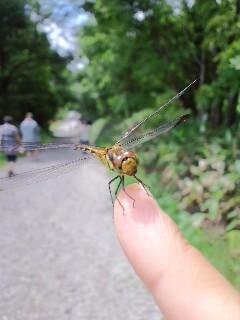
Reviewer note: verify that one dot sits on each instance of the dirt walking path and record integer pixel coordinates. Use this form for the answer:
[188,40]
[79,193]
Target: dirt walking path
[60,259]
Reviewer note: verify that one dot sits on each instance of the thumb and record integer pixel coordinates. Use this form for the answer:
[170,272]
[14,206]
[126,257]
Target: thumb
[183,283]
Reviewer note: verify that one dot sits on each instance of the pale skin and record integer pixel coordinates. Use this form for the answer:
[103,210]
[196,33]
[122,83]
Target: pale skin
[183,283]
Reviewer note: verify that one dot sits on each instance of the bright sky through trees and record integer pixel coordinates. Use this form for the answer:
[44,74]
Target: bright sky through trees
[65,18]
[63,21]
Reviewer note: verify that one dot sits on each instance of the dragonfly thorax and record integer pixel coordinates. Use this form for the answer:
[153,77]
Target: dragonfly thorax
[125,162]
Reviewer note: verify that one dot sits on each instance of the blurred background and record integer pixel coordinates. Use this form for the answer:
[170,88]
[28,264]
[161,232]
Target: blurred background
[101,66]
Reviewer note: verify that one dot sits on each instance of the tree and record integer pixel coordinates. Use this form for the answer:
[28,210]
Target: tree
[31,75]
[215,38]
[133,60]
[153,51]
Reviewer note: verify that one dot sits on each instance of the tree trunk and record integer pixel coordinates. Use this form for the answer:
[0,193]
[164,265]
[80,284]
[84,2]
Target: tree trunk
[216,114]
[231,116]
[188,101]
[238,7]
[202,69]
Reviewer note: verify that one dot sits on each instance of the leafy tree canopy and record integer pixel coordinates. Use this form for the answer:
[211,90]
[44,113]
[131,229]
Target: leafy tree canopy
[140,52]
[31,75]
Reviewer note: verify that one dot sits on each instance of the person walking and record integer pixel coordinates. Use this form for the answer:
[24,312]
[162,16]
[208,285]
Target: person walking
[30,130]
[9,142]
[85,132]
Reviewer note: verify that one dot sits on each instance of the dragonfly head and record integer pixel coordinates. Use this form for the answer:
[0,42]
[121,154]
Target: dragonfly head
[125,162]
[129,163]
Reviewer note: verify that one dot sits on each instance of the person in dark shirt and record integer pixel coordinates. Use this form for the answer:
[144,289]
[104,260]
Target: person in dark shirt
[9,141]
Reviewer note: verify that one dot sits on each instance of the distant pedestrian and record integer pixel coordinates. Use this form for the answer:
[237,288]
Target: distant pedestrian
[10,142]
[84,139]
[30,132]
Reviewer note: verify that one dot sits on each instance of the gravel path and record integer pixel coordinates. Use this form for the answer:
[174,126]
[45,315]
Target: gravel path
[60,259]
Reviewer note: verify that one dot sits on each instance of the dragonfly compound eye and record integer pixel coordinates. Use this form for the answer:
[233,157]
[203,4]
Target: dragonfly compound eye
[129,166]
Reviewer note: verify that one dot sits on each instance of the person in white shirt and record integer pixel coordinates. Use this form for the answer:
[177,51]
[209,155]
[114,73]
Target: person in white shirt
[30,130]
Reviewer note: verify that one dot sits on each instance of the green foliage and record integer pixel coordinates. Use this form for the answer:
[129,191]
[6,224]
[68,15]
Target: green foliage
[97,128]
[31,75]
[151,50]
[2,159]
[202,173]
[46,136]
[128,68]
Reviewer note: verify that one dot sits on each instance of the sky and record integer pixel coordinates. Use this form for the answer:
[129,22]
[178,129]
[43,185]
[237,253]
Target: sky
[64,19]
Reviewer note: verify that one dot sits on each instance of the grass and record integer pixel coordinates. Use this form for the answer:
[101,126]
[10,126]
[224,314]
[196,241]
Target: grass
[2,160]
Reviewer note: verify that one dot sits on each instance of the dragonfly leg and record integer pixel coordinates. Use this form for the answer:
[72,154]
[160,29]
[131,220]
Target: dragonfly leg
[109,187]
[124,189]
[145,187]
[119,184]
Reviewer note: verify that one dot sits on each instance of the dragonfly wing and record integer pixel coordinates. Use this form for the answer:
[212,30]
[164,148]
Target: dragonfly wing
[132,142]
[136,131]
[43,174]
[6,145]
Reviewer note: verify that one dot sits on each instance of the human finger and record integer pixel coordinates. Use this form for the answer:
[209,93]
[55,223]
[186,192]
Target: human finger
[184,284]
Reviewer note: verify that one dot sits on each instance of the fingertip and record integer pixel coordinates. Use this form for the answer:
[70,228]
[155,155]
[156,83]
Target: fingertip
[145,232]
[135,202]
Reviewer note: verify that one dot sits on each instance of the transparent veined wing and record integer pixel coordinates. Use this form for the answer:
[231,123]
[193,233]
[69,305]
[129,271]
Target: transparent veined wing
[45,173]
[143,131]
[7,145]
[133,141]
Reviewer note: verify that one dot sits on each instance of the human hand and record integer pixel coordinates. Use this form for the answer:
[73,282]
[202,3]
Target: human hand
[184,284]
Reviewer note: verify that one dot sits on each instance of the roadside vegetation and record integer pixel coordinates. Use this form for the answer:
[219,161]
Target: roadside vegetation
[2,160]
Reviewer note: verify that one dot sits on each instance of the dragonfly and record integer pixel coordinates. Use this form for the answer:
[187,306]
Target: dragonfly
[119,158]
